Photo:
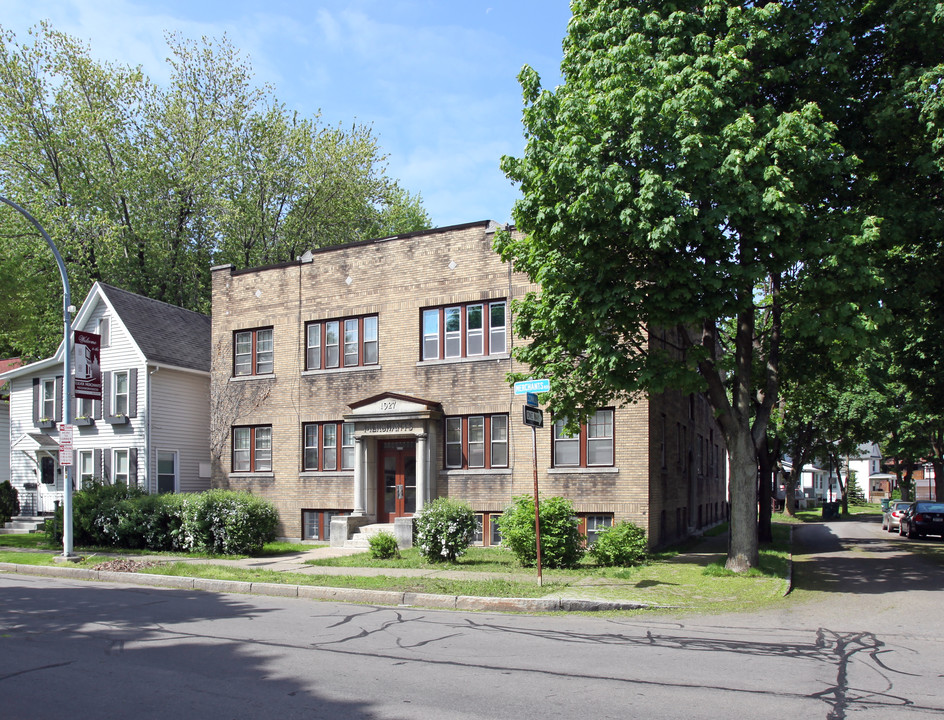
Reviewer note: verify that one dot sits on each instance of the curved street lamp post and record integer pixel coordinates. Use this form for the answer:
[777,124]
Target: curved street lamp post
[67,553]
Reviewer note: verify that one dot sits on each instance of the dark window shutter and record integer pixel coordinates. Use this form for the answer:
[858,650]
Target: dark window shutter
[106,465]
[35,400]
[105,408]
[132,466]
[57,412]
[97,461]
[133,392]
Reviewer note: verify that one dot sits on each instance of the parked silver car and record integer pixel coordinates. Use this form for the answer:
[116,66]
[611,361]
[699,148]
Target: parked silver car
[891,520]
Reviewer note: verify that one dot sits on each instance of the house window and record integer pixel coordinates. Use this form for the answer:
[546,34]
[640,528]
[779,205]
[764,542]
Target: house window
[252,449]
[104,335]
[48,399]
[477,441]
[84,408]
[486,529]
[120,466]
[590,446]
[470,330]
[352,341]
[86,467]
[593,525]
[320,452]
[119,398]
[253,352]
[166,471]
[316,524]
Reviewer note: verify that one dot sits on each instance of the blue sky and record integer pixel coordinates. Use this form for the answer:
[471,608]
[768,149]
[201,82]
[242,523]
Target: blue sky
[436,79]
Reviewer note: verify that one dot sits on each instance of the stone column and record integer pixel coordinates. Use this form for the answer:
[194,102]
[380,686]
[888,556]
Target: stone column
[360,477]
[421,468]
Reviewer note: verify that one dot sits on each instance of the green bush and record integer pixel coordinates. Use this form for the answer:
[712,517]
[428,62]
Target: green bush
[622,545]
[383,546]
[217,521]
[9,502]
[444,530]
[561,541]
[227,522]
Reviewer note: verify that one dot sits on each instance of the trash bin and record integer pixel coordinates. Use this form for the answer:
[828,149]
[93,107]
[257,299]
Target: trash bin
[831,510]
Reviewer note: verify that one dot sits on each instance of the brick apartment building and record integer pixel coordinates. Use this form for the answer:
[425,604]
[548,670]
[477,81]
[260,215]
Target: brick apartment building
[361,381]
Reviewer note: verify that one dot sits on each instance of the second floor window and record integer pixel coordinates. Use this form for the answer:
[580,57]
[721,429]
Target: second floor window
[48,399]
[477,441]
[327,443]
[347,342]
[253,352]
[470,330]
[252,449]
[119,400]
[592,445]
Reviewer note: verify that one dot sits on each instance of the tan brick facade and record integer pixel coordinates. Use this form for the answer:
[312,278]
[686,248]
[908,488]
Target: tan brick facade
[403,400]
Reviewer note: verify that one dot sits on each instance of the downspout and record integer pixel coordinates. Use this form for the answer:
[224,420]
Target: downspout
[147,429]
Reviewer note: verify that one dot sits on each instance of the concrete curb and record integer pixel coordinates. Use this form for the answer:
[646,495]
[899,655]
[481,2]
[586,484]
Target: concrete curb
[336,594]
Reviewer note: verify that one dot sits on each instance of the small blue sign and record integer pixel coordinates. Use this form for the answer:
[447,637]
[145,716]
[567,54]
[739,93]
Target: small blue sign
[532,386]
[532,399]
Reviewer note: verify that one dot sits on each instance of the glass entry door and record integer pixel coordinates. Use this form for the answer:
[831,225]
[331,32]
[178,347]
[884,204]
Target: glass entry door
[397,481]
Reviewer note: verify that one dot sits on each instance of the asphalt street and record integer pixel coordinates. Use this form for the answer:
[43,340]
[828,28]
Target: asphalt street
[870,646]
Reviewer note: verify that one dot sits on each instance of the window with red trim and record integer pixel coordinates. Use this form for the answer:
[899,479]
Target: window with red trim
[476,441]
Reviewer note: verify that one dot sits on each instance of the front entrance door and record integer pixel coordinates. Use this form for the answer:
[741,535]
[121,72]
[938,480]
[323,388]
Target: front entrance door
[397,481]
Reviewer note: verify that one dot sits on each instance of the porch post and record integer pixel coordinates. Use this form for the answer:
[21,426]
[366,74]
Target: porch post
[360,481]
[421,463]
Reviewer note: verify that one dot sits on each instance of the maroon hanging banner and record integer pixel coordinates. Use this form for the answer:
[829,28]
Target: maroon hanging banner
[88,367]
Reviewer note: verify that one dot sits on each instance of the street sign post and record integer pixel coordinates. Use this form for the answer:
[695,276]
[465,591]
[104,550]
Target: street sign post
[65,444]
[532,386]
[533,416]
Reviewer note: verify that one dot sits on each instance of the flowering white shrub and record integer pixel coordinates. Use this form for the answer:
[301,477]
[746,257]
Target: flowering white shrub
[444,530]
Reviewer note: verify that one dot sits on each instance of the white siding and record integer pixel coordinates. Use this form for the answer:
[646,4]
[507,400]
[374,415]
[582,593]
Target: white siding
[4,440]
[180,421]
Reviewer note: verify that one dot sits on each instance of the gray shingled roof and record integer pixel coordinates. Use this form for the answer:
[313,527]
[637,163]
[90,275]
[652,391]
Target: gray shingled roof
[166,334]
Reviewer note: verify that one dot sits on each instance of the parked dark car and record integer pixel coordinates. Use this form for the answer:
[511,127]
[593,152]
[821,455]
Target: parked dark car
[922,518]
[891,519]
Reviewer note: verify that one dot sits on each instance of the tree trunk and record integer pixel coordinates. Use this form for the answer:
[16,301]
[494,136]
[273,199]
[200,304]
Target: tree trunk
[742,538]
[765,494]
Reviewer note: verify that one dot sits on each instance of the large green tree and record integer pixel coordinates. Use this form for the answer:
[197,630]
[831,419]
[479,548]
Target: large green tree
[146,186]
[699,169]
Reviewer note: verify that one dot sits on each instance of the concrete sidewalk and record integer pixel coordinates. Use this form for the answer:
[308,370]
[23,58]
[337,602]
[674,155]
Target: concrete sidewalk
[295,563]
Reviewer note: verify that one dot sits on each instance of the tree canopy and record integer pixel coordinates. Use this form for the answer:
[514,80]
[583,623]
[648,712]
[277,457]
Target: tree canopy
[147,186]
[706,167]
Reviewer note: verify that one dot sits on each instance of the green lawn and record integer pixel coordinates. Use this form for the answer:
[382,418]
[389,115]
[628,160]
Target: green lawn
[690,577]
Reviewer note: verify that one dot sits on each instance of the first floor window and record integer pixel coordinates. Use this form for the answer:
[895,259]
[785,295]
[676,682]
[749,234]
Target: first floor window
[86,467]
[166,471]
[120,466]
[320,452]
[591,445]
[252,449]
[477,441]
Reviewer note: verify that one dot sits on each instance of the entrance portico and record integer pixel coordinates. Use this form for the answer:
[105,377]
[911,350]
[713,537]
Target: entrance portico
[395,438]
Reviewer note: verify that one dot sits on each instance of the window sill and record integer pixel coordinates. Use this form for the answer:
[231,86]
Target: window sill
[250,474]
[473,359]
[476,471]
[329,371]
[117,419]
[582,470]
[326,473]
[244,378]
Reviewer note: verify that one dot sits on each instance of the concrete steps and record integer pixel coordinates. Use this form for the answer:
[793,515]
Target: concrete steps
[23,524]
[361,539]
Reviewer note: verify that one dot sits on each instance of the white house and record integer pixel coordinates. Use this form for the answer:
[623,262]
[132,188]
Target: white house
[866,463]
[152,427]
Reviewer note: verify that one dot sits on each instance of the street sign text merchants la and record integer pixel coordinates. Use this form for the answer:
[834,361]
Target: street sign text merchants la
[533,416]
[532,386]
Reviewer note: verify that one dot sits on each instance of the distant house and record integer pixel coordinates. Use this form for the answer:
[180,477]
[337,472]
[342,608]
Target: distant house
[151,427]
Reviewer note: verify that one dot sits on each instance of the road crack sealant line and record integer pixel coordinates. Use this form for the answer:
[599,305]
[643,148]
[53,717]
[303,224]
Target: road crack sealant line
[351,595]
